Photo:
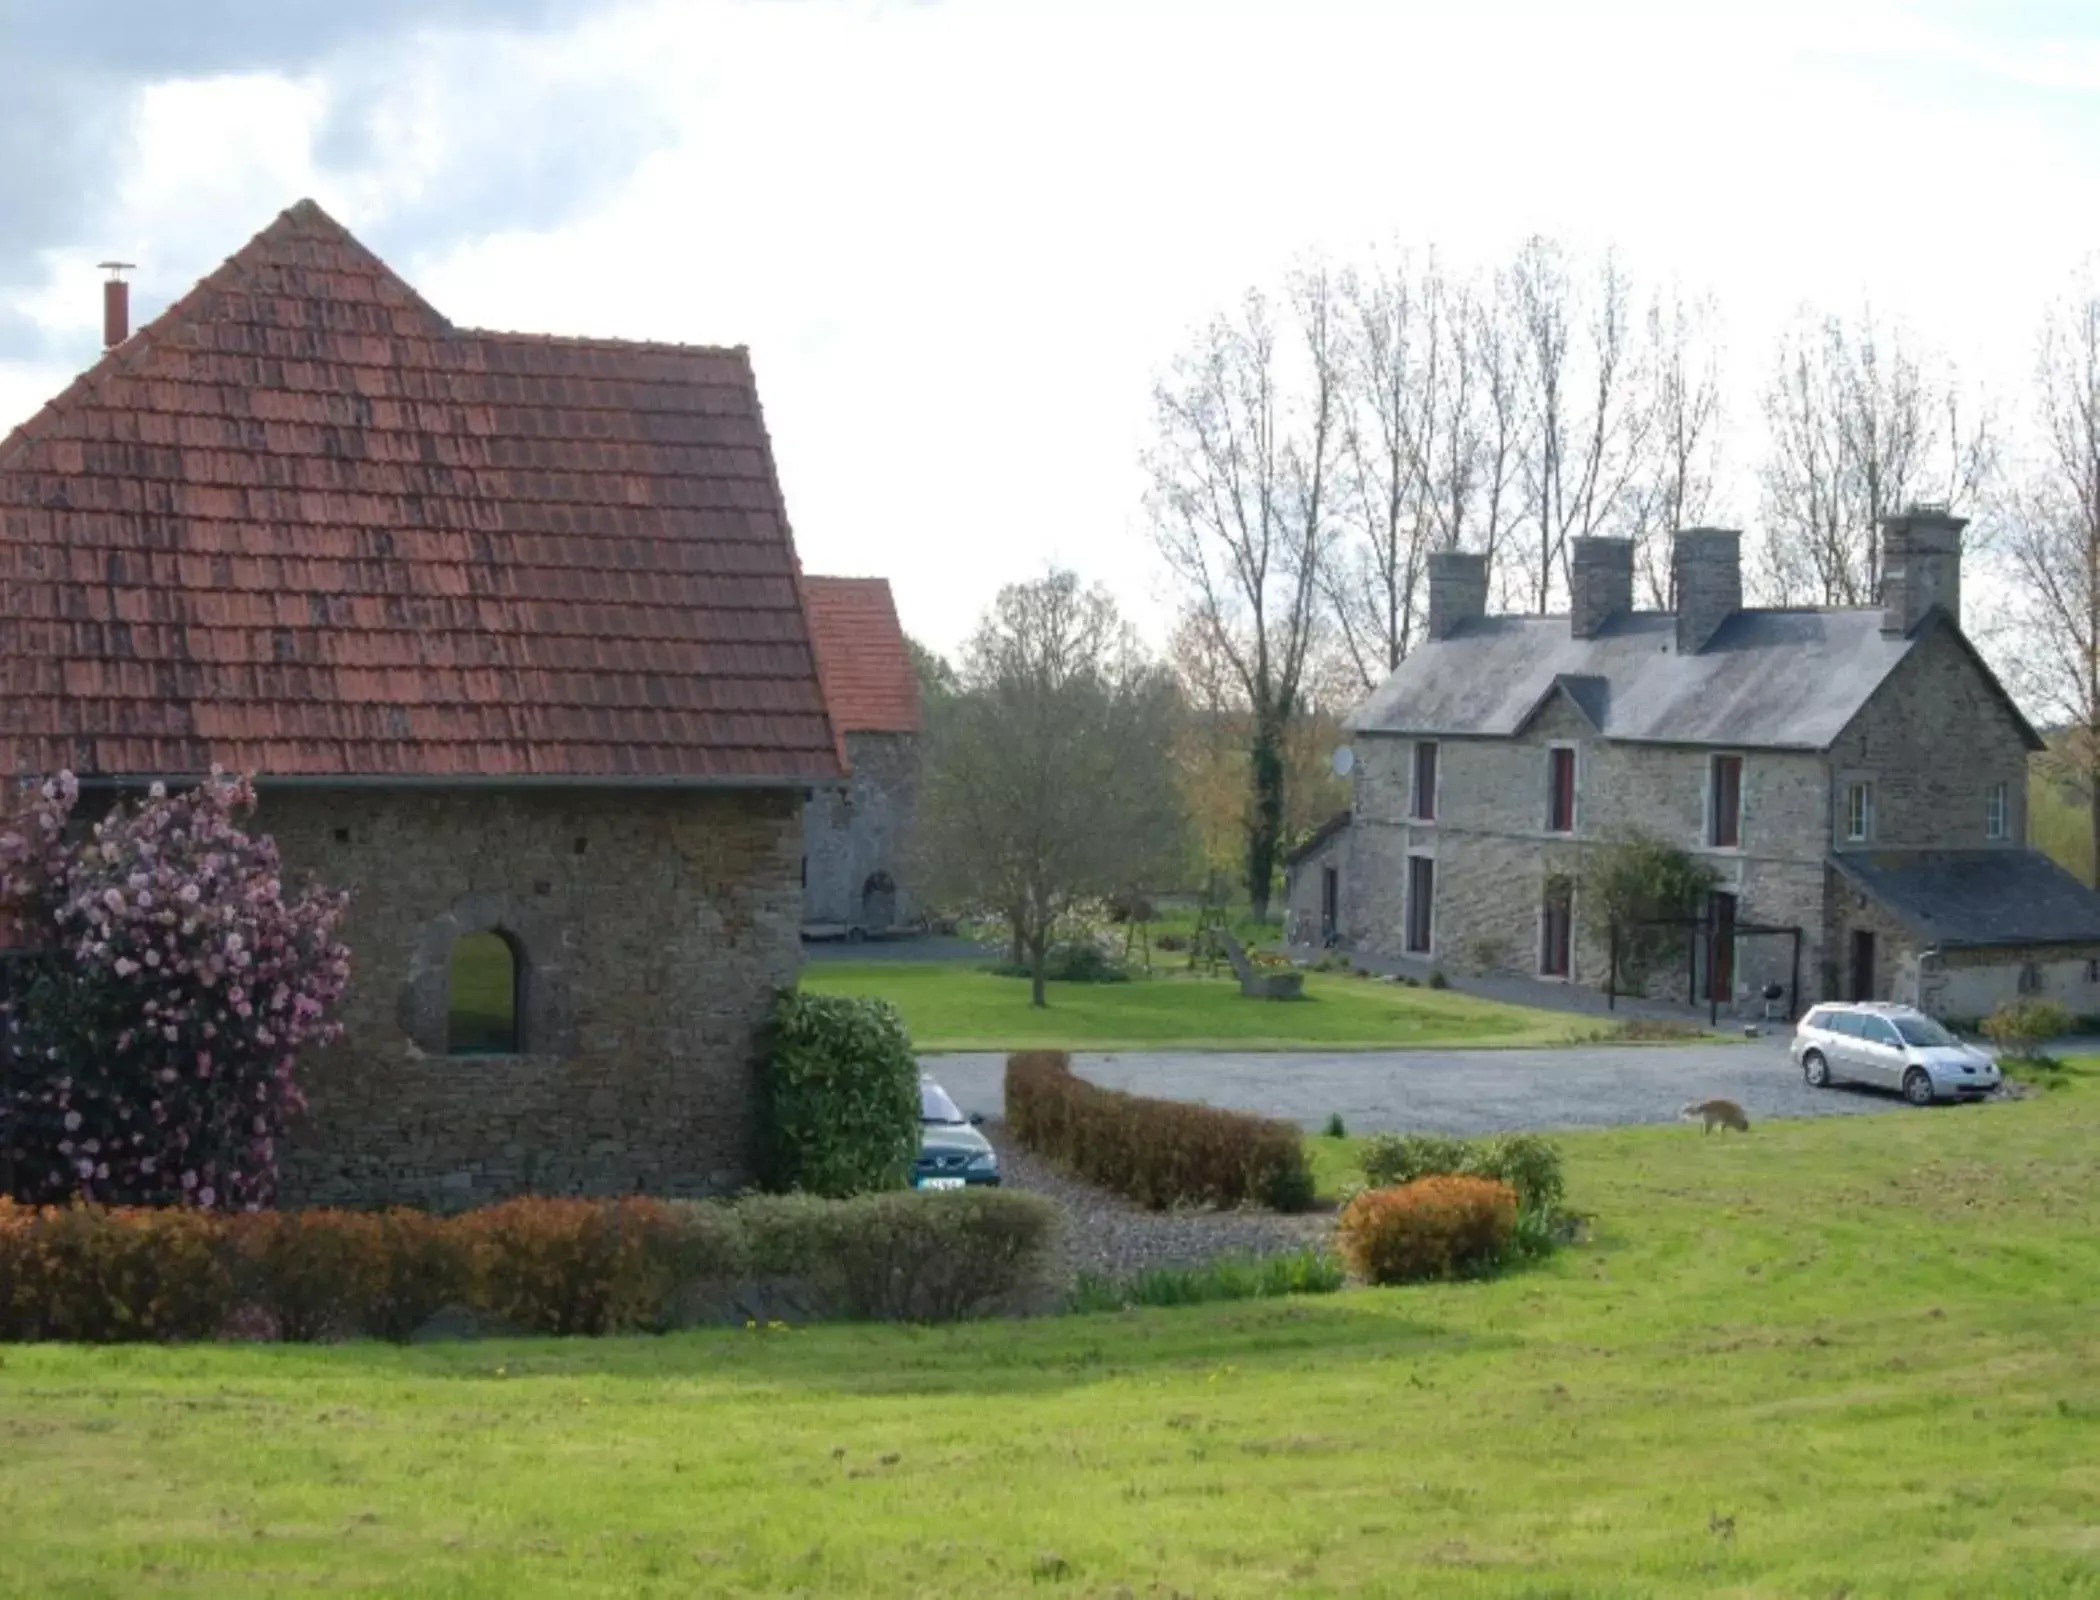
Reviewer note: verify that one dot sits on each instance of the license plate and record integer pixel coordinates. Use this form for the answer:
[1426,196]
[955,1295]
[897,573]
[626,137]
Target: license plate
[943,1183]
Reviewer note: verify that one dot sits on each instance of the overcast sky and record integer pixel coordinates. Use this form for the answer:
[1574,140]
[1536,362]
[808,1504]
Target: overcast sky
[962,236]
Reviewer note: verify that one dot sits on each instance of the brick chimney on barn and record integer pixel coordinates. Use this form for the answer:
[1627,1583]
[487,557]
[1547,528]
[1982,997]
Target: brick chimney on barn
[116,304]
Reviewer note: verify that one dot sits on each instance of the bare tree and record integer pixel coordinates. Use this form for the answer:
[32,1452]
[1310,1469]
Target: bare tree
[1241,508]
[1675,485]
[1590,406]
[1050,775]
[2052,545]
[1857,431]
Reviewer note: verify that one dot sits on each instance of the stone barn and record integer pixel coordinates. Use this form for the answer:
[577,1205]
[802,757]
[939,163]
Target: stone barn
[511,632]
[855,840]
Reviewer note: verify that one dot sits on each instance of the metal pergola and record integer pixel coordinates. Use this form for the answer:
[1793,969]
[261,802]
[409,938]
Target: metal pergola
[1710,926]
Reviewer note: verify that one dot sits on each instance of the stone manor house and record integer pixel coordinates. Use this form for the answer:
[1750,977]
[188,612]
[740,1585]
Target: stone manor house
[1856,779]
[511,631]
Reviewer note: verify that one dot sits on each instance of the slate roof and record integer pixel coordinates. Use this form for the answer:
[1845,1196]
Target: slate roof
[1978,898]
[869,681]
[1319,837]
[1783,680]
[302,525]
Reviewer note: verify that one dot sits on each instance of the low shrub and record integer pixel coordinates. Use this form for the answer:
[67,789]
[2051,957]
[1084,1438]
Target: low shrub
[1528,1164]
[410,1266]
[2021,1027]
[567,1267]
[1232,1278]
[95,1276]
[902,1257]
[841,1096]
[301,1268]
[1432,1228]
[1437,980]
[1159,1152]
[1070,961]
[1336,1128]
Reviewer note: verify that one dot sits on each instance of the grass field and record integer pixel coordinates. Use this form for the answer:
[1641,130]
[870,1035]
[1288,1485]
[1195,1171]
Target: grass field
[958,1006]
[1851,1356]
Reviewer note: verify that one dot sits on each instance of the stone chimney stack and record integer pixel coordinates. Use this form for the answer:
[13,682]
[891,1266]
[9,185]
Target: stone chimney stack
[1600,584]
[1920,567]
[1706,578]
[1458,591]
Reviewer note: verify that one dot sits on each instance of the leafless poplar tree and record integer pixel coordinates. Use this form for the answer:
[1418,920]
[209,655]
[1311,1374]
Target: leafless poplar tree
[1241,505]
[2052,545]
[1431,435]
[1590,403]
[1858,430]
[1674,487]
[1050,775]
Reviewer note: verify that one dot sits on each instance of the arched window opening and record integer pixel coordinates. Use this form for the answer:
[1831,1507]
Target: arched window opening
[488,981]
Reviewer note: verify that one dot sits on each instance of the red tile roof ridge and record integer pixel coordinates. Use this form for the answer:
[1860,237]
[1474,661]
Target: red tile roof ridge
[590,341]
[232,273]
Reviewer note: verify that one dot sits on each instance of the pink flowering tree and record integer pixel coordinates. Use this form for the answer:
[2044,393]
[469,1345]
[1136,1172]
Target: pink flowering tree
[151,1041]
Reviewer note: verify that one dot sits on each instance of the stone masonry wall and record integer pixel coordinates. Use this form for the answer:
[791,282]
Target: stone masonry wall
[849,835]
[1494,855]
[654,927]
[1933,740]
[1302,890]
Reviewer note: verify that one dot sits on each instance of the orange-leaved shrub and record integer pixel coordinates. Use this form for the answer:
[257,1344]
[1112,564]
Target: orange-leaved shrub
[301,1268]
[409,1265]
[1431,1228]
[576,1266]
[97,1276]
[1160,1152]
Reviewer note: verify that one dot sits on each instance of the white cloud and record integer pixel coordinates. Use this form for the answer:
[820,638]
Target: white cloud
[961,238]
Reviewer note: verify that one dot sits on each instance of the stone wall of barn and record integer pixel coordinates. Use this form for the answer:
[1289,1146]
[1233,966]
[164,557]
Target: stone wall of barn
[653,927]
[853,838]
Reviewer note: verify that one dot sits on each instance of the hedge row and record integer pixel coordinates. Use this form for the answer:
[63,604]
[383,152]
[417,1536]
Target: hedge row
[535,1266]
[1160,1152]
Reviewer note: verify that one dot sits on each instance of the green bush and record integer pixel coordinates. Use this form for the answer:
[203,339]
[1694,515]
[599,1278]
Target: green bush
[1437,980]
[2021,1027]
[1070,961]
[1528,1164]
[1432,1228]
[906,1257]
[1232,1278]
[841,1096]
[1159,1152]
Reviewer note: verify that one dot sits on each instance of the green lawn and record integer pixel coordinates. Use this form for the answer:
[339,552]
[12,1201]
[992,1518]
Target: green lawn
[957,1006]
[1854,1356]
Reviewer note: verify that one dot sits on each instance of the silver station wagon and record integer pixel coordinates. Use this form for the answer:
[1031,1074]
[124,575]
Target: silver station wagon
[1890,1047]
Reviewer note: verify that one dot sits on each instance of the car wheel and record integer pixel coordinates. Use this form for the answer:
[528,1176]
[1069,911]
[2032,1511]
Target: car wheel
[1816,1070]
[1917,1087]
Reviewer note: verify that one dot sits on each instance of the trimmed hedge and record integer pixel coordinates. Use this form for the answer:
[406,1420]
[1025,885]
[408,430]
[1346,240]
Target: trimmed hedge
[561,1267]
[841,1096]
[1431,1228]
[1160,1152]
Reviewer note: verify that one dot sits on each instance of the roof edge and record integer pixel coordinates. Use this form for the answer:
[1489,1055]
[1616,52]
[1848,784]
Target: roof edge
[376,780]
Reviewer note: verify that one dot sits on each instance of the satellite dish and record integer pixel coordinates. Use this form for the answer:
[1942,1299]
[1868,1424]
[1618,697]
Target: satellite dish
[1344,762]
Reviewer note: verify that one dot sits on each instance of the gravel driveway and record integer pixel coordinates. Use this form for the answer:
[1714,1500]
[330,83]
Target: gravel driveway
[1452,1091]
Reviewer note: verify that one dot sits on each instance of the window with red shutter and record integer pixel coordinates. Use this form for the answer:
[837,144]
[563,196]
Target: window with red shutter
[1560,791]
[1725,827]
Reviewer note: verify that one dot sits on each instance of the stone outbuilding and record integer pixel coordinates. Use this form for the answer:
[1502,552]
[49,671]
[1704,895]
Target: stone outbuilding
[1855,780]
[511,632]
[855,841]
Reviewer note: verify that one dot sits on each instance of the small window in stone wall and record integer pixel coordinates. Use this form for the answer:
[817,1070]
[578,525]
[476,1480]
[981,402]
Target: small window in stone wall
[488,976]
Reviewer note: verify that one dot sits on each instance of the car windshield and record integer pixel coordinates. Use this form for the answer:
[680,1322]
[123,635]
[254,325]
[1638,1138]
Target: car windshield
[935,1106]
[1923,1033]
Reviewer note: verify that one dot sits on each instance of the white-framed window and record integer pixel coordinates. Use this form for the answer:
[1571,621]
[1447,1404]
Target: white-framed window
[1997,812]
[1859,811]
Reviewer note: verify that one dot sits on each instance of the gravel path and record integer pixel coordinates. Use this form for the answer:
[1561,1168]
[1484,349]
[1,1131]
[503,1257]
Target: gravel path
[1116,1238]
[1453,1091]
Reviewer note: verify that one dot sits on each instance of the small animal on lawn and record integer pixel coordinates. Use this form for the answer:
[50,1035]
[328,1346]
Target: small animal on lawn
[1717,1114]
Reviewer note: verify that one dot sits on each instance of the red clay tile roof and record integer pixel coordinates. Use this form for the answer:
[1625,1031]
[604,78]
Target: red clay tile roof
[868,677]
[301,525]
